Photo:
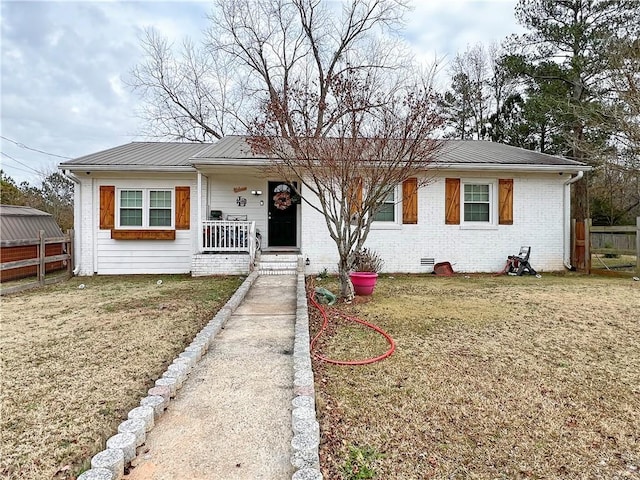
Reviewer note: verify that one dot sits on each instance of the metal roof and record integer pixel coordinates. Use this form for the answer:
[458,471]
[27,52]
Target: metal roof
[485,152]
[454,153]
[24,223]
[230,147]
[140,154]
[234,150]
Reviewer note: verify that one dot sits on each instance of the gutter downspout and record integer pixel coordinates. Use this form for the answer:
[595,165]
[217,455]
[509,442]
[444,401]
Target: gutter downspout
[567,219]
[199,228]
[77,219]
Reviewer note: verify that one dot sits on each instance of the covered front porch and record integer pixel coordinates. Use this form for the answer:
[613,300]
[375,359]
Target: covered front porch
[239,218]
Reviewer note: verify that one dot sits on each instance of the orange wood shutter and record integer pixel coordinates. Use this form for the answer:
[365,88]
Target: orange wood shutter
[107,207]
[505,198]
[183,208]
[355,196]
[452,201]
[410,201]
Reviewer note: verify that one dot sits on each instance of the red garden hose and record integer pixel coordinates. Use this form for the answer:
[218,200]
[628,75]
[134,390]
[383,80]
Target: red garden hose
[325,322]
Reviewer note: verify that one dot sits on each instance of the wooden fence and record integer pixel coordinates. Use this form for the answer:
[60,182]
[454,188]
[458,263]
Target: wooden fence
[618,240]
[40,260]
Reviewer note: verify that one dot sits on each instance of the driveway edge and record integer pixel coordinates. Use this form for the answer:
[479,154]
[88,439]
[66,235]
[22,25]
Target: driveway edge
[306,430]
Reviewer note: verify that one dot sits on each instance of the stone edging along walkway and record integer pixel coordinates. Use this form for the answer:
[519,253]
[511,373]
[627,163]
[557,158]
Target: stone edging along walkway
[110,463]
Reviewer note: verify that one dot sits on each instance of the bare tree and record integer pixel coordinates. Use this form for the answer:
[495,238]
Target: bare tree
[343,115]
[328,91]
[191,95]
[616,189]
[473,65]
[480,84]
[347,178]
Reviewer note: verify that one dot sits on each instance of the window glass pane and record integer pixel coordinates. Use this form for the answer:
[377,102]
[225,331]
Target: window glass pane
[131,208]
[131,217]
[476,212]
[160,199]
[386,210]
[477,203]
[160,218]
[131,198]
[385,213]
[160,208]
[476,193]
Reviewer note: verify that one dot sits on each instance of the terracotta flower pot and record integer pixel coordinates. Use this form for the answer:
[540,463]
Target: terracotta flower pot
[363,282]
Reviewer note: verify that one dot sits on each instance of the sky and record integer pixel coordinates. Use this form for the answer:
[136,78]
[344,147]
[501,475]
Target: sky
[64,67]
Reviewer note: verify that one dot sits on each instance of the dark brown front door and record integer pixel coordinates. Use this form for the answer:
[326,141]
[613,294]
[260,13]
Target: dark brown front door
[282,215]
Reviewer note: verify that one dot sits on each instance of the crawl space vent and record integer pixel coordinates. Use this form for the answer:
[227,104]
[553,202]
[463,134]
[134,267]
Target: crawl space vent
[427,262]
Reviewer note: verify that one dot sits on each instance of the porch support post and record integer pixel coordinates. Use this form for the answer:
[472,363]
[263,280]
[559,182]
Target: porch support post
[199,228]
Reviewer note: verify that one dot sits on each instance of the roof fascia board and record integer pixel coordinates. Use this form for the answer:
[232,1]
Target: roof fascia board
[259,163]
[237,162]
[511,167]
[129,168]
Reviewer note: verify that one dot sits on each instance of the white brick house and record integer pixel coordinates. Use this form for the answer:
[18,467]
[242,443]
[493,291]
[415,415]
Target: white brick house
[182,207]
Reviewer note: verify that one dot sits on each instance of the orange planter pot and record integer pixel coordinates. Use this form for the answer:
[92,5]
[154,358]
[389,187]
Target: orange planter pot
[363,282]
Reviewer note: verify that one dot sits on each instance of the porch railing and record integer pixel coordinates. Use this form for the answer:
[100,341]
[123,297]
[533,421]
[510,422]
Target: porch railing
[229,236]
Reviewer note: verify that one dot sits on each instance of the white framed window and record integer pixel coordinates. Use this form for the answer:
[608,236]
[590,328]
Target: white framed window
[386,212]
[478,200]
[388,216]
[145,208]
[160,208]
[130,208]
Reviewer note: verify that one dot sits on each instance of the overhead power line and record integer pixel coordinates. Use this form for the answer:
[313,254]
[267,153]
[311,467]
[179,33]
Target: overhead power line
[22,145]
[13,167]
[21,163]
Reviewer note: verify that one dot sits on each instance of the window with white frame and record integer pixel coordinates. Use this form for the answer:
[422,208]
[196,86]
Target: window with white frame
[160,212]
[477,200]
[145,208]
[131,208]
[386,211]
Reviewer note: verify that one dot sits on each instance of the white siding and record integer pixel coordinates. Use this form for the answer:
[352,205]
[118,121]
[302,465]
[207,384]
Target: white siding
[538,222]
[100,254]
[144,256]
[537,208]
[222,197]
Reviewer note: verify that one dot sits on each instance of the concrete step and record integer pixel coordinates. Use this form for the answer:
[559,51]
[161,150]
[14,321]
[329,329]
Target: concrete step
[279,257]
[278,265]
[275,263]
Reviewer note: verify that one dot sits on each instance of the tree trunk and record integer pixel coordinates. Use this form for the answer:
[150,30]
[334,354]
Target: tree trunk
[579,203]
[580,200]
[346,287]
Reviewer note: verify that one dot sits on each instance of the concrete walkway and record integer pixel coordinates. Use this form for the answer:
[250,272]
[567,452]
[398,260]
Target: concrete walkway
[232,417]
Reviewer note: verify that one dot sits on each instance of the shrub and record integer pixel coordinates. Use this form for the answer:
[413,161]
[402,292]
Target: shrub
[366,260]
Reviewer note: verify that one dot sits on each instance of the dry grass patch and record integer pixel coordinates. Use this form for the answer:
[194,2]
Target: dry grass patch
[493,378]
[75,361]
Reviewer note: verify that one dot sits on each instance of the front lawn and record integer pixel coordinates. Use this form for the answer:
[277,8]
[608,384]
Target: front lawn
[77,356]
[493,378]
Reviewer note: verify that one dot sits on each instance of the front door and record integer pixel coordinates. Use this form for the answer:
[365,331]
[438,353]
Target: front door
[282,215]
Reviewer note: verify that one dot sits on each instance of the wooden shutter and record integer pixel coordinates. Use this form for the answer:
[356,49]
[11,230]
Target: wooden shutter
[107,207]
[183,208]
[410,201]
[452,201]
[355,196]
[505,199]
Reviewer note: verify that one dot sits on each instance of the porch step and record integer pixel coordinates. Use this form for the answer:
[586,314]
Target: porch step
[278,263]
